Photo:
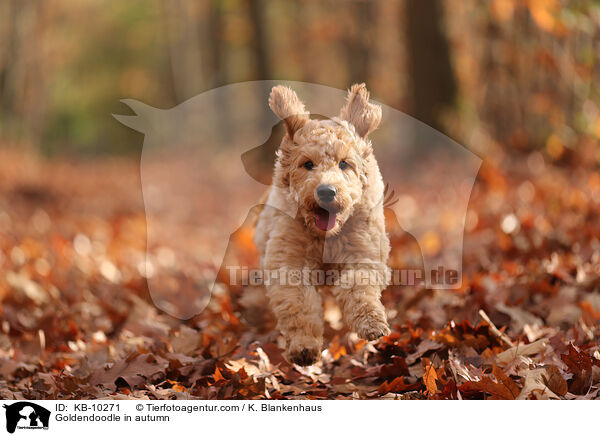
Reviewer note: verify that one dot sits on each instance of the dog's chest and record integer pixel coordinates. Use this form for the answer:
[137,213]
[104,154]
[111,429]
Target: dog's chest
[327,251]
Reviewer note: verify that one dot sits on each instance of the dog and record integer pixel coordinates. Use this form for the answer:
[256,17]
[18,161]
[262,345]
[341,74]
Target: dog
[325,212]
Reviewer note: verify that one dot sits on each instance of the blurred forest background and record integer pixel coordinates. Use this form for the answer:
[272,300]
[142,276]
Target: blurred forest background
[497,76]
[515,81]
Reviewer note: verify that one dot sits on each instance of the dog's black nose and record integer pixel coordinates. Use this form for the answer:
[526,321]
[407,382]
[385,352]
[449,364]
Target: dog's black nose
[326,193]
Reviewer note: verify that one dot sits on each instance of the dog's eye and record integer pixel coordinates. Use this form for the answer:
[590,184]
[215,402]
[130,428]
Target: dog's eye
[344,165]
[309,165]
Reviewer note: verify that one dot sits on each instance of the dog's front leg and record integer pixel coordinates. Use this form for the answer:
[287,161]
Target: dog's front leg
[358,296]
[298,309]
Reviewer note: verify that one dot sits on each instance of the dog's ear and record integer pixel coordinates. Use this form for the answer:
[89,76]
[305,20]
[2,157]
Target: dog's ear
[364,116]
[286,105]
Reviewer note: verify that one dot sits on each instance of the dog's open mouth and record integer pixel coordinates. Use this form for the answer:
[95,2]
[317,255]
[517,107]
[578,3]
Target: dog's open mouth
[324,218]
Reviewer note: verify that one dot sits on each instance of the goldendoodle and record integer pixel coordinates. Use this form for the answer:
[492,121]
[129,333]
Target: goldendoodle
[325,176]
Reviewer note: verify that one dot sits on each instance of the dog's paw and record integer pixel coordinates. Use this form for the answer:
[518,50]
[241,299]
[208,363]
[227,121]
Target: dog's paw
[305,357]
[304,351]
[373,328]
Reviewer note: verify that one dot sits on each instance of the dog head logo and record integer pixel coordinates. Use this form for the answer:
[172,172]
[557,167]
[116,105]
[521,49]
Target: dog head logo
[215,153]
[26,415]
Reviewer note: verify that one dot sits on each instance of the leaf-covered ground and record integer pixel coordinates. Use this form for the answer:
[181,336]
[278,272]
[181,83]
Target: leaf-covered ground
[77,321]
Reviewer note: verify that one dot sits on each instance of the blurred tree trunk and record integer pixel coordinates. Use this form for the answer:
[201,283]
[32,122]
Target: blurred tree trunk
[432,82]
[259,46]
[260,50]
[22,90]
[38,68]
[216,44]
[8,57]
[358,43]
[183,42]
[218,65]
[302,45]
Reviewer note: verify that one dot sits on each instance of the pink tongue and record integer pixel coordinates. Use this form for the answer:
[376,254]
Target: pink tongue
[324,219]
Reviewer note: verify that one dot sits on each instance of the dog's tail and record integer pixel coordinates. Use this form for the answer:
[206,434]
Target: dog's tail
[389,196]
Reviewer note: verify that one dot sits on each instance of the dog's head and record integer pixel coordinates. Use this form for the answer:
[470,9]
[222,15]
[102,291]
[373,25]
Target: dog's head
[322,163]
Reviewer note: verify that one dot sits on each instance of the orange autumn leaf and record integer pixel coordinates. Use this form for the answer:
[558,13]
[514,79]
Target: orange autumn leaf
[590,315]
[506,381]
[176,386]
[217,375]
[555,381]
[429,378]
[543,13]
[503,388]
[397,385]
[336,349]
[242,373]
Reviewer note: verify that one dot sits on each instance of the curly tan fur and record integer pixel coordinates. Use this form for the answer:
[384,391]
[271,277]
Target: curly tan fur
[289,240]
[286,105]
[359,112]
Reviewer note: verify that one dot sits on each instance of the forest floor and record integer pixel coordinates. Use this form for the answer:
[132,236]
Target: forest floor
[77,320]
